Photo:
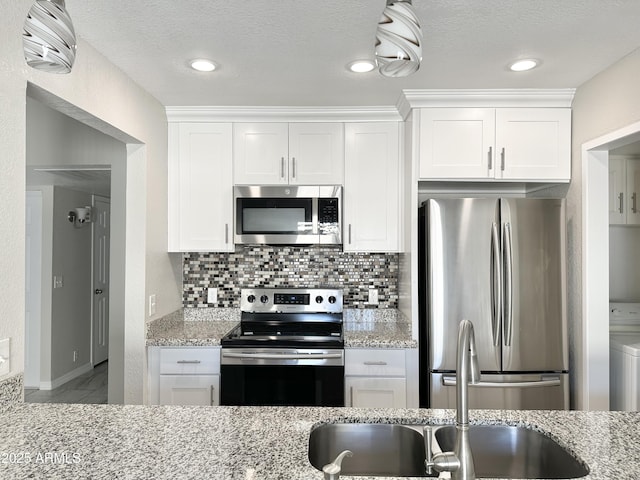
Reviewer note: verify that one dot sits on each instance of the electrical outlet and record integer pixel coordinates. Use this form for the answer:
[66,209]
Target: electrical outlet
[373,296]
[5,356]
[212,295]
[75,356]
[58,281]
[152,304]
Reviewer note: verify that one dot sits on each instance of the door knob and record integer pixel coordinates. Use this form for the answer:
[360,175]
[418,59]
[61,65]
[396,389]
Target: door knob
[98,291]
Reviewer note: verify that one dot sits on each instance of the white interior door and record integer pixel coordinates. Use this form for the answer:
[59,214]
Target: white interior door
[101,232]
[33,288]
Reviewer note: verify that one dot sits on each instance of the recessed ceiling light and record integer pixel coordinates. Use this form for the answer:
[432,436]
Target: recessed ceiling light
[523,65]
[203,65]
[361,66]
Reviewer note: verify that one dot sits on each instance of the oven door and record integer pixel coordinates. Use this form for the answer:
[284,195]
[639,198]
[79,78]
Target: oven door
[282,377]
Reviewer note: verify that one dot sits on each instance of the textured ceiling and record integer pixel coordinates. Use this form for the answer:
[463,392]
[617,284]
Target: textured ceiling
[294,52]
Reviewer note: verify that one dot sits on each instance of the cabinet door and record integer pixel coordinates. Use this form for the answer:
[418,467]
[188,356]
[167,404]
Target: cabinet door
[533,144]
[200,187]
[375,392]
[617,191]
[260,153]
[372,187]
[457,143]
[633,192]
[316,153]
[189,390]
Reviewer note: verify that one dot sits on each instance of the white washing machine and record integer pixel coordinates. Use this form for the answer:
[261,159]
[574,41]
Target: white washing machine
[624,360]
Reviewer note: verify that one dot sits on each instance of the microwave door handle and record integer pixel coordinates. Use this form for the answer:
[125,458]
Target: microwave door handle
[314,216]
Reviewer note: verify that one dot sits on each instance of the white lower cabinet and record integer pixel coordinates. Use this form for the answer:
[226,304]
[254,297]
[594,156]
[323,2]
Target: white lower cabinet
[375,378]
[189,390]
[375,392]
[184,375]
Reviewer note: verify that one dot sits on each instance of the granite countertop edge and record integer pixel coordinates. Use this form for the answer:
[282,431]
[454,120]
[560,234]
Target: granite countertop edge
[260,443]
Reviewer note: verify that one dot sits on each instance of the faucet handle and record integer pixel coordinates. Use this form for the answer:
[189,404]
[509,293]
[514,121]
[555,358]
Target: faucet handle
[440,462]
[332,470]
[428,448]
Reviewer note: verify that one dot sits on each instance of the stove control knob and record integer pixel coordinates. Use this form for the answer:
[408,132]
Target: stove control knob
[251,298]
[264,299]
[319,299]
[332,299]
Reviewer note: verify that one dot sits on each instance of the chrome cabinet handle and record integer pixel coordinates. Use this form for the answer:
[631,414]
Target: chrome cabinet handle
[98,291]
[293,167]
[226,233]
[189,361]
[349,233]
[374,363]
[620,198]
[633,203]
[490,155]
[211,396]
[281,167]
[502,155]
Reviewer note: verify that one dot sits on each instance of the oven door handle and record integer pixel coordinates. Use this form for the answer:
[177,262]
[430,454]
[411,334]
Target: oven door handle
[282,356]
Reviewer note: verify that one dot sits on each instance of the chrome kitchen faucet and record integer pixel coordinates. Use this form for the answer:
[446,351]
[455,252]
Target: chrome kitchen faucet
[460,461]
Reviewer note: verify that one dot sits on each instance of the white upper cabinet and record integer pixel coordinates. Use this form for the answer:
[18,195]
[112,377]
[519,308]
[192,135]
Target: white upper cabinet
[200,187]
[456,142]
[533,144]
[624,190]
[288,153]
[514,144]
[372,187]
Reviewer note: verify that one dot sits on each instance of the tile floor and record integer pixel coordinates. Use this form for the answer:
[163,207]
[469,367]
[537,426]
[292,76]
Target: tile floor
[90,387]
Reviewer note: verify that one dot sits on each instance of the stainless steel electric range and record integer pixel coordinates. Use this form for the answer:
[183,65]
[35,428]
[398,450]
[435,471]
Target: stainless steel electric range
[288,349]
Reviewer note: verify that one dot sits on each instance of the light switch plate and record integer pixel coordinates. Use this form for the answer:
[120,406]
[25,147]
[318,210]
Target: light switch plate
[212,295]
[5,356]
[152,304]
[373,296]
[58,281]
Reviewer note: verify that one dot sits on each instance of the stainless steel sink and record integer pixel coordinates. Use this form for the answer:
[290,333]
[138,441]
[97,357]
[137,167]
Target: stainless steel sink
[378,449]
[501,451]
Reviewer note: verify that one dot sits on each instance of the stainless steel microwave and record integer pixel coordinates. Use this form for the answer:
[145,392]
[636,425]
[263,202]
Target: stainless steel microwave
[288,215]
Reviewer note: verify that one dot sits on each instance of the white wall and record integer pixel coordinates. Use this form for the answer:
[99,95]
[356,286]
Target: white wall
[624,264]
[607,102]
[99,94]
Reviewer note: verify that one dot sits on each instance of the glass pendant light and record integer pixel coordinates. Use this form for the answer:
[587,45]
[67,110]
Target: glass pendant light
[48,40]
[398,40]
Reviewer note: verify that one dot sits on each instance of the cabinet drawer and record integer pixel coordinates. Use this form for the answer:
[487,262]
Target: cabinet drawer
[374,362]
[189,360]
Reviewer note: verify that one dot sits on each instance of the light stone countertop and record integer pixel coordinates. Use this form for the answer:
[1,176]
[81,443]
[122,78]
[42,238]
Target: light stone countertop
[363,328]
[253,443]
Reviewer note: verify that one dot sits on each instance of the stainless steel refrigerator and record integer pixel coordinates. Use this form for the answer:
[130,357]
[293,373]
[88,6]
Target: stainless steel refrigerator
[500,263]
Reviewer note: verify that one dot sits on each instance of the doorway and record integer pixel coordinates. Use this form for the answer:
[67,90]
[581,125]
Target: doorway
[593,381]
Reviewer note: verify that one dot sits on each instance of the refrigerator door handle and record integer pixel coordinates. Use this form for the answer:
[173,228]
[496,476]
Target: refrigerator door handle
[508,285]
[496,286]
[545,381]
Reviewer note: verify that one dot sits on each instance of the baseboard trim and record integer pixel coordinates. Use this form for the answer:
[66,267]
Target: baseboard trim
[66,377]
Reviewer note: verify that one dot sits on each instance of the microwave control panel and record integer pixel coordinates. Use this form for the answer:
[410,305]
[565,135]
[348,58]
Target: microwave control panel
[328,210]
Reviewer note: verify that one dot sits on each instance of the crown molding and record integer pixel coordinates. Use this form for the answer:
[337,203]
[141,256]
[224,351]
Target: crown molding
[525,97]
[282,114]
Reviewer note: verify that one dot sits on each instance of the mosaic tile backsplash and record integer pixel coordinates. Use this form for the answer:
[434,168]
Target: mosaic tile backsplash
[289,266]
